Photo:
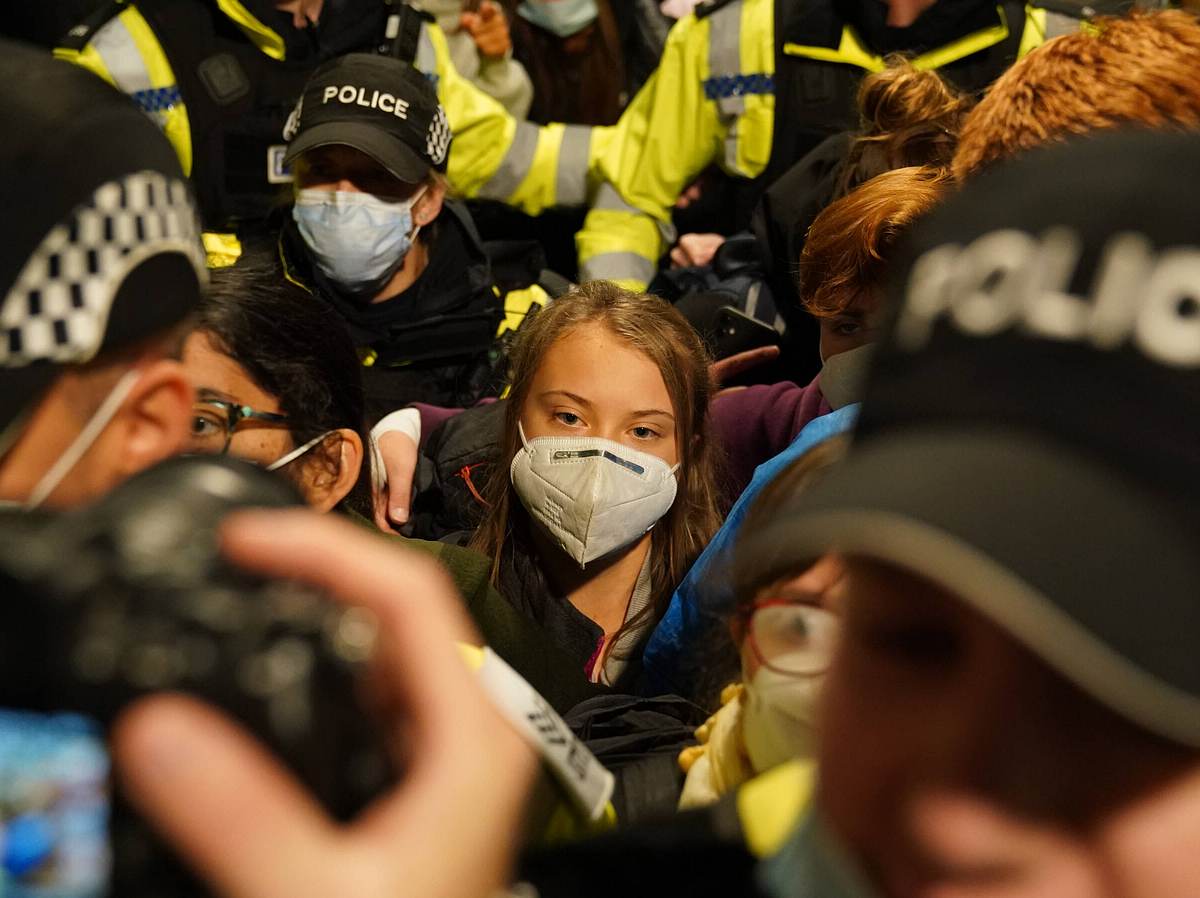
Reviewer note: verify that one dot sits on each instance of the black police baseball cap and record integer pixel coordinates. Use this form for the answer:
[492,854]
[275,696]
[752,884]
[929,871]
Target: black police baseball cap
[1030,436]
[99,239]
[378,105]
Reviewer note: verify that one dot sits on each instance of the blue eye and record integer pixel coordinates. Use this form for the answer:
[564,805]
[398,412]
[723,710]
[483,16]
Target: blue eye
[645,433]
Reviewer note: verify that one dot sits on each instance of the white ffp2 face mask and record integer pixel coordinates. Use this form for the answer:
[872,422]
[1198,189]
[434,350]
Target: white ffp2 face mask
[844,376]
[592,495]
[778,717]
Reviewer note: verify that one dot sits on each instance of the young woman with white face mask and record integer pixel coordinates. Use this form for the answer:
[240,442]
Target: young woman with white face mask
[606,490]
[785,630]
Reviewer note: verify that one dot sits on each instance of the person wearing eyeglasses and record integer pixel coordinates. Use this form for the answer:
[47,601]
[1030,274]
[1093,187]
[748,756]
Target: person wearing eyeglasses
[785,630]
[278,384]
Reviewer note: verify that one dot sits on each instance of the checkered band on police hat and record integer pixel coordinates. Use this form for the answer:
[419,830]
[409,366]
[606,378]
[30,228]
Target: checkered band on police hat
[58,307]
[438,137]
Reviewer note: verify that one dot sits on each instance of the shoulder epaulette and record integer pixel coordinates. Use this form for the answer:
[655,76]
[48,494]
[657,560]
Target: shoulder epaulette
[706,8]
[81,35]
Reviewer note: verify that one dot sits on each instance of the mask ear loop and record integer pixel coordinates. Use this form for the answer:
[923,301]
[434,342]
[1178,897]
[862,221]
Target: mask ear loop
[82,443]
[412,205]
[297,452]
[521,431]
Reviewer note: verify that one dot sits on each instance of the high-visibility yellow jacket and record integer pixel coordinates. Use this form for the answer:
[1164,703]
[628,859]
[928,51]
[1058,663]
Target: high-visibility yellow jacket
[712,101]
[493,155]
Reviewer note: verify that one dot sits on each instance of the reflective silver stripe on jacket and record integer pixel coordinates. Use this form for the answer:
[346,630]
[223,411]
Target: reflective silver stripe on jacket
[725,61]
[570,180]
[515,165]
[617,267]
[426,61]
[120,54]
[609,200]
[1058,24]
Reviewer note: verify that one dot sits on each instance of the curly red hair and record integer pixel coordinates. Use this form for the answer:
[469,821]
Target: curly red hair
[1141,70]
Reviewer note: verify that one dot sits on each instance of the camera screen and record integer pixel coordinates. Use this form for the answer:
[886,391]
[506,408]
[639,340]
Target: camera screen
[54,806]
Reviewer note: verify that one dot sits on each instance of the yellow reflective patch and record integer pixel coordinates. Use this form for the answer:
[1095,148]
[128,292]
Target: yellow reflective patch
[158,69]
[564,824]
[267,40]
[966,46]
[609,230]
[221,250]
[89,59]
[770,805]
[1035,31]
[517,304]
[851,50]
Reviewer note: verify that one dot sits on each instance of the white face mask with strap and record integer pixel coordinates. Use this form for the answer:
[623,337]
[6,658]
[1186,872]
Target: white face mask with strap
[592,495]
[298,451]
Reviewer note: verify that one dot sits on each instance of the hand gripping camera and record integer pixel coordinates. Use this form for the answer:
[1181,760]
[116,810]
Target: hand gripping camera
[131,596]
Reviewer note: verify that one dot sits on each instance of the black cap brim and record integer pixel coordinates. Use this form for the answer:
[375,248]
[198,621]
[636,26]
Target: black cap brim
[390,152]
[1049,545]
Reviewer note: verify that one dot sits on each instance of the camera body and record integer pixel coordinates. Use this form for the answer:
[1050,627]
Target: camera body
[131,596]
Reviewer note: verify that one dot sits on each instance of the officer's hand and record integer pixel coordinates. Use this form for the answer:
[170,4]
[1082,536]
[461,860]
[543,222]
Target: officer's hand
[489,29]
[695,250]
[252,831]
[394,502]
[691,194]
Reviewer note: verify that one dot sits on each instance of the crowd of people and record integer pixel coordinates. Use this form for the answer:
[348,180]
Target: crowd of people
[793,398]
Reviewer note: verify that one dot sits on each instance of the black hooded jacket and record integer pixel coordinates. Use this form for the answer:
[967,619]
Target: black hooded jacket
[437,341]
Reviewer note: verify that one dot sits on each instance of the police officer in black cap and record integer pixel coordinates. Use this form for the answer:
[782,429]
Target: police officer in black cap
[372,234]
[100,264]
[220,77]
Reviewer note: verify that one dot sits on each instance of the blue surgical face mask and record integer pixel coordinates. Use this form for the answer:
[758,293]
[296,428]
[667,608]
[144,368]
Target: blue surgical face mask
[560,17]
[357,240]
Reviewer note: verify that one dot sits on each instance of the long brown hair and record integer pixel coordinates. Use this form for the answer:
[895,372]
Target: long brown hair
[653,327]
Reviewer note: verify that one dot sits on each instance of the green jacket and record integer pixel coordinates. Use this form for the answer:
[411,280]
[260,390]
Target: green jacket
[511,635]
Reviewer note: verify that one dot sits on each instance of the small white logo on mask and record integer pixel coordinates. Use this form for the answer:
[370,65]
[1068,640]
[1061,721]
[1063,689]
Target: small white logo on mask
[1009,279]
[349,95]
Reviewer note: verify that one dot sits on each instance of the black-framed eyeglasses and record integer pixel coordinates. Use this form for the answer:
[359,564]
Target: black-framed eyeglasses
[214,421]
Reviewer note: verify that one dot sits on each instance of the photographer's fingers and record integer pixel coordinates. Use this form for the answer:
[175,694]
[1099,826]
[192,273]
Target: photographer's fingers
[469,771]
[354,566]
[225,805]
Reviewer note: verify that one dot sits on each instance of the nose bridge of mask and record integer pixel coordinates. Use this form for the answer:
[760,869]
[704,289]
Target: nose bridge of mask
[575,450]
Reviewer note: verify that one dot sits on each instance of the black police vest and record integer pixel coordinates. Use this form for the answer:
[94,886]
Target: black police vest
[238,100]
[815,99]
